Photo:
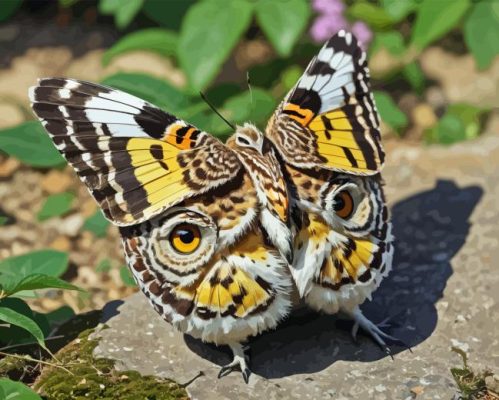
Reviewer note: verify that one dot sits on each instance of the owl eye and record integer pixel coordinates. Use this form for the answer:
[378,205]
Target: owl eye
[343,204]
[185,238]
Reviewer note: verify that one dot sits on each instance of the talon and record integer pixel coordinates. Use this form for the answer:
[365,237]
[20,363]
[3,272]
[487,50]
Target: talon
[240,361]
[225,370]
[246,375]
[374,330]
[389,352]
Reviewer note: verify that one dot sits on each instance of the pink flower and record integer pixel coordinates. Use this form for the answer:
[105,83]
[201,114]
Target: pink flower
[331,19]
[362,32]
[326,26]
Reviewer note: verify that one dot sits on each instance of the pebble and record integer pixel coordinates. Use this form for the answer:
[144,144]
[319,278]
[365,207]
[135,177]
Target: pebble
[56,182]
[435,97]
[61,243]
[71,225]
[10,115]
[424,116]
[9,165]
[88,208]
[417,390]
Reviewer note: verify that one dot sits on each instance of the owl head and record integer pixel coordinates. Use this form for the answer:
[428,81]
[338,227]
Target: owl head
[208,267]
[343,241]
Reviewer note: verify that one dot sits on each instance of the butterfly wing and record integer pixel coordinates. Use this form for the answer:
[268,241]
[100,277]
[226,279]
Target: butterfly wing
[329,118]
[136,159]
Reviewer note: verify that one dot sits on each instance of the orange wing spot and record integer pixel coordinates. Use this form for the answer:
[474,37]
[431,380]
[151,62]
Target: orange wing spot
[301,115]
[171,134]
[178,137]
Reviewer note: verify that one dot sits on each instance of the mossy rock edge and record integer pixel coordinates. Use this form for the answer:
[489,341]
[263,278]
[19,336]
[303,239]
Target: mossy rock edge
[96,378]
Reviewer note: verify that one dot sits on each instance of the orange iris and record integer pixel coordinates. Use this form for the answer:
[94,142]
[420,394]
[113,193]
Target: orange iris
[343,204]
[185,238]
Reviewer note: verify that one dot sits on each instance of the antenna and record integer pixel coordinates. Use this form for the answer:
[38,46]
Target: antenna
[249,86]
[216,111]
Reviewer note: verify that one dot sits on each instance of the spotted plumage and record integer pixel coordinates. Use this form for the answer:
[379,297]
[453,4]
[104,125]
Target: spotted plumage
[222,236]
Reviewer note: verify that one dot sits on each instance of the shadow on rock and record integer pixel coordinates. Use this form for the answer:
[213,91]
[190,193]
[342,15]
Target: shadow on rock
[430,228]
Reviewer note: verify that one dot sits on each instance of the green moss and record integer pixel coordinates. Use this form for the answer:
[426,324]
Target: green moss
[12,367]
[96,378]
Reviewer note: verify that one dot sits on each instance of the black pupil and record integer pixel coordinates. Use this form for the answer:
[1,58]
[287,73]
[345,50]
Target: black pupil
[186,236]
[339,203]
[243,140]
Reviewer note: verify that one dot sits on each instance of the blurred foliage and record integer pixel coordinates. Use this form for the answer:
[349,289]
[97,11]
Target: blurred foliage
[205,39]
[460,122]
[56,205]
[96,224]
[126,276]
[29,143]
[16,391]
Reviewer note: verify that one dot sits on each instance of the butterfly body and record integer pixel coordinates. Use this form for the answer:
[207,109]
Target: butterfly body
[224,237]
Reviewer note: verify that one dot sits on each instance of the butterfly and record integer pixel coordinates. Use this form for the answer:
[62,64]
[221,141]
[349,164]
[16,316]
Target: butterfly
[219,236]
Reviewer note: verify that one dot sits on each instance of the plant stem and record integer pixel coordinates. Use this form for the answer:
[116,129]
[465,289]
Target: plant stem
[29,358]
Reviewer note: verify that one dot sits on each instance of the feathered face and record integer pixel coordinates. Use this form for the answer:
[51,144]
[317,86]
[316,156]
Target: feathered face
[207,260]
[345,231]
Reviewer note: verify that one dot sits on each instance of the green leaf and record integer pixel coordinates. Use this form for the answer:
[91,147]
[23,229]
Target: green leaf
[14,334]
[36,282]
[414,75]
[3,220]
[392,41]
[209,32]
[161,41]
[29,143]
[389,111]
[126,276]
[12,390]
[103,266]
[290,76]
[283,22]
[48,262]
[376,17]
[255,107]
[481,32]
[97,224]
[123,11]
[218,94]
[9,7]
[435,19]
[460,122]
[56,205]
[399,9]
[156,91]
[14,318]
[168,14]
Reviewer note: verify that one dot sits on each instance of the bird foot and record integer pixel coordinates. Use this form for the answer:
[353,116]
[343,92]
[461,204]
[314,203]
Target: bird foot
[374,330]
[240,362]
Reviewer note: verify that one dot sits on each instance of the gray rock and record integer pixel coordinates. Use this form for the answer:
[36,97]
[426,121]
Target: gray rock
[442,293]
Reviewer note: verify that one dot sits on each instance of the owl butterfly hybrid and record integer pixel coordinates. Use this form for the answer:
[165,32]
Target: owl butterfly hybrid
[221,237]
